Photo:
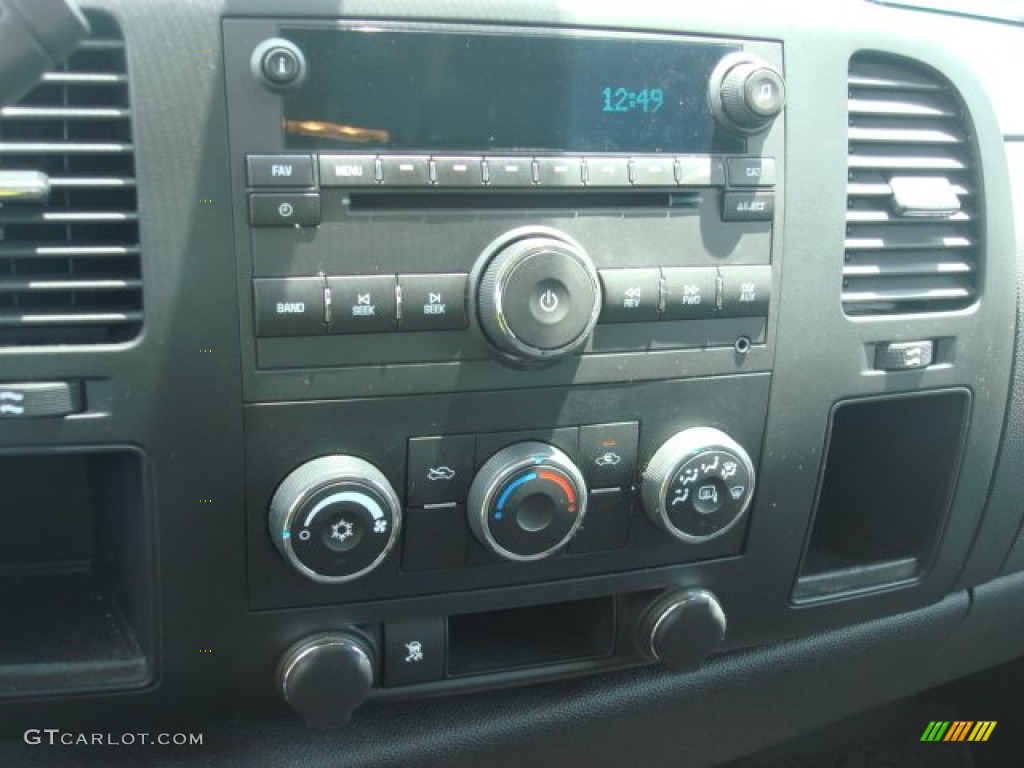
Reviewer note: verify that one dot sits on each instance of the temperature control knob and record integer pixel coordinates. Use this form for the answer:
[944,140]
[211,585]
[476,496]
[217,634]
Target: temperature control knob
[527,501]
[698,484]
[335,518]
[538,295]
[746,93]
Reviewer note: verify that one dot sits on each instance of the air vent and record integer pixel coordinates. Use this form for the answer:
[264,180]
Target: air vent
[913,204]
[70,269]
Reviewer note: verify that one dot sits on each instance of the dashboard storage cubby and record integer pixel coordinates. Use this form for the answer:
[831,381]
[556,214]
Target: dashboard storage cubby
[891,467]
[75,572]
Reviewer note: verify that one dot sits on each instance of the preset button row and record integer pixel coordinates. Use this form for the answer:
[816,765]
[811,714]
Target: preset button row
[518,171]
[311,306]
[294,170]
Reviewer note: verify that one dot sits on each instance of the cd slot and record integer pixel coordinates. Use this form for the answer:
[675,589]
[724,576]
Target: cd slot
[526,200]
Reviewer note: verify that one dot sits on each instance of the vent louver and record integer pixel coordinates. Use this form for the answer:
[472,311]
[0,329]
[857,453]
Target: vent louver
[913,204]
[70,268]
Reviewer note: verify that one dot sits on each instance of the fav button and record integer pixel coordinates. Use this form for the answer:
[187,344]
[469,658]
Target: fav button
[433,302]
[280,170]
[362,303]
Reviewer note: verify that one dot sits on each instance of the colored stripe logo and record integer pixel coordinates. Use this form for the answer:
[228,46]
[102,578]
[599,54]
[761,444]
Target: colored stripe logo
[958,730]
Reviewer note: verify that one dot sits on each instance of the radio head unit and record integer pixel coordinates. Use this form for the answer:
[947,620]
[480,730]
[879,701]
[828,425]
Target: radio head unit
[460,202]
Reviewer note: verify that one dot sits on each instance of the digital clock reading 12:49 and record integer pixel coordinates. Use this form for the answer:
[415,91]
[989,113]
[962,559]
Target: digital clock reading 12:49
[625,100]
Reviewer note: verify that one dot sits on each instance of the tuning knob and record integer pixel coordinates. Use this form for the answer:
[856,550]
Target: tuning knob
[698,484]
[527,501]
[682,628]
[746,93]
[326,677]
[538,295]
[335,518]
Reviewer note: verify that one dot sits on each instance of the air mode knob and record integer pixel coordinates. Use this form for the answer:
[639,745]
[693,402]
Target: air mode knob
[746,93]
[527,501]
[335,518]
[538,295]
[698,484]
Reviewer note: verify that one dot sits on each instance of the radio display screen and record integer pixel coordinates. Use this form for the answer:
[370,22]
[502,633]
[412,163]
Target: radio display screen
[374,88]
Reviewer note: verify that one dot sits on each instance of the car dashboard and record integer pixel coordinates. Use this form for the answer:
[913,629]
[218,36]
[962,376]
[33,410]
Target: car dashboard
[410,383]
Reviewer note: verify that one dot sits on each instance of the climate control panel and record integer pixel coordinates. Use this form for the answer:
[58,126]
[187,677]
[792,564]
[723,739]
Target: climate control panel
[386,513]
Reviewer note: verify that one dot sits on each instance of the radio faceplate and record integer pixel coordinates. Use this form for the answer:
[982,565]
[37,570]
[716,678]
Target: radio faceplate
[367,227]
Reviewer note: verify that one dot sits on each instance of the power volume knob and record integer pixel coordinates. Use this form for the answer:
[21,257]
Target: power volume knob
[746,93]
[698,484]
[335,518]
[538,295]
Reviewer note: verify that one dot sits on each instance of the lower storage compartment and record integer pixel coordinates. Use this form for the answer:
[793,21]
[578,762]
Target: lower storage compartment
[869,534]
[76,582]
